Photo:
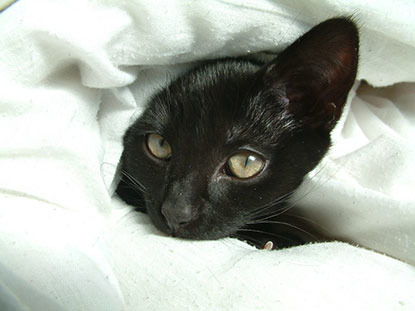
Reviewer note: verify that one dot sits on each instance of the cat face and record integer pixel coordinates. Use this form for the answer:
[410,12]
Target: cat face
[234,137]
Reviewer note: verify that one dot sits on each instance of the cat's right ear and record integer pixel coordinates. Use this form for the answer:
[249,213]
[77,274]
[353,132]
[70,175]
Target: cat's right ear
[313,76]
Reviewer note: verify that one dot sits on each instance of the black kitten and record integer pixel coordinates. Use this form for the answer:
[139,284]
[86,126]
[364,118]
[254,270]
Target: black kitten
[218,151]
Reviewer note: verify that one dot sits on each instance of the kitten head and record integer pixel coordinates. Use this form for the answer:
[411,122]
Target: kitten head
[232,138]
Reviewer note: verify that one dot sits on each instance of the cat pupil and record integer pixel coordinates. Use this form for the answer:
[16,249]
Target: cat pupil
[158,146]
[249,159]
[245,165]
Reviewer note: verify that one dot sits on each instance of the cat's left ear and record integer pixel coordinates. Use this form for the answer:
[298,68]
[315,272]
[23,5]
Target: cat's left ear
[313,76]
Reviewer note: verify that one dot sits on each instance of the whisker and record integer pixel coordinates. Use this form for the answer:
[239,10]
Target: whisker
[316,185]
[285,224]
[276,213]
[247,237]
[312,221]
[133,187]
[134,181]
[108,163]
[263,209]
[292,204]
[266,233]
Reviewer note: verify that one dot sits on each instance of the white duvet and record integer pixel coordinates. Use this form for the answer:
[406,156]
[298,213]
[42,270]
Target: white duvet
[75,74]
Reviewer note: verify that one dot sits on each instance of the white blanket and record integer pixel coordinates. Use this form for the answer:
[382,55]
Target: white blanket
[73,76]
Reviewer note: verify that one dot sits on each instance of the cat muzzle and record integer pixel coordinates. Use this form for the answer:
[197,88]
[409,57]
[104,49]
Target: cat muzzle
[177,216]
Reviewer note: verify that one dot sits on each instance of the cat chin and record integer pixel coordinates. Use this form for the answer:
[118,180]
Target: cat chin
[196,230]
[199,235]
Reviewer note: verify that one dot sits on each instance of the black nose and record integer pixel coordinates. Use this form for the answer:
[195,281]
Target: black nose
[177,215]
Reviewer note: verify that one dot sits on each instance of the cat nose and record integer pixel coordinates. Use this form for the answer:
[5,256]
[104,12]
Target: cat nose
[176,216]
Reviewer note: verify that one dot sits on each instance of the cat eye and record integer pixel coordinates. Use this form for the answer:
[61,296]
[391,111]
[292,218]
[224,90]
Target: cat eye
[245,164]
[158,146]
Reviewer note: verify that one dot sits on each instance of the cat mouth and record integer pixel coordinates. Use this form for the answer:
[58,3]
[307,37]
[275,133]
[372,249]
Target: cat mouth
[189,234]
[197,229]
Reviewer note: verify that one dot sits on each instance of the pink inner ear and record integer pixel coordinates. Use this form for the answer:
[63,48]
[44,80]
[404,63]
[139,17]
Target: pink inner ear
[344,57]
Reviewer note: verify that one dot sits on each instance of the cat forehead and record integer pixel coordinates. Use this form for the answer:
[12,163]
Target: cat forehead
[217,101]
[214,126]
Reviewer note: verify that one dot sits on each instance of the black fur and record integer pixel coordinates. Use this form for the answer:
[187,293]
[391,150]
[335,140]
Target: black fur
[284,111]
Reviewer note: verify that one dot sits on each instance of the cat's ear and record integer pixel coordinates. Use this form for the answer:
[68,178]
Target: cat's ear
[314,75]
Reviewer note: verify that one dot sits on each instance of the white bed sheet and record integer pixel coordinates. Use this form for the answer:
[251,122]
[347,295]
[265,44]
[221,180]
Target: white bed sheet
[73,76]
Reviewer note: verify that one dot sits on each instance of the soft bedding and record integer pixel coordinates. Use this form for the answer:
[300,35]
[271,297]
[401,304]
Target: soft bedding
[73,76]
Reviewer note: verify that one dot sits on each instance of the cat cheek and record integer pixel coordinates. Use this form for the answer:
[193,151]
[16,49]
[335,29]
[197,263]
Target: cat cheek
[218,189]
[158,219]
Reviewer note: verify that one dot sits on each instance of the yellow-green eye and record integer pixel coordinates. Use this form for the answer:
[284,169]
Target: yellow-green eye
[158,146]
[245,164]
